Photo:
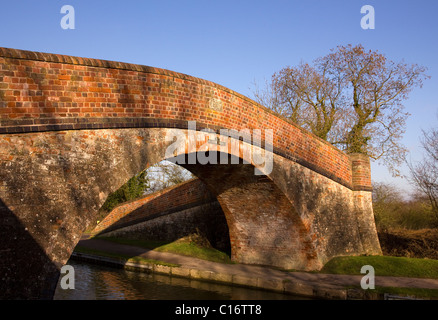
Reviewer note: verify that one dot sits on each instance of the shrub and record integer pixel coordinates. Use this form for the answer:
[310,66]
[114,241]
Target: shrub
[394,211]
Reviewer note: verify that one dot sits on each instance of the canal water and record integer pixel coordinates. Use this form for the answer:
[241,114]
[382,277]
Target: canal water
[96,282]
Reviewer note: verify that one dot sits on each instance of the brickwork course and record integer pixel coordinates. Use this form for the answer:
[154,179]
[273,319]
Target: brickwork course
[72,130]
[173,199]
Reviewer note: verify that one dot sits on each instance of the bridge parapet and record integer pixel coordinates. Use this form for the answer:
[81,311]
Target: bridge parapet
[51,92]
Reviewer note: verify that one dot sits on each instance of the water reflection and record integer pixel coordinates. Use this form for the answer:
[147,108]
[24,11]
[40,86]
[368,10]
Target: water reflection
[93,282]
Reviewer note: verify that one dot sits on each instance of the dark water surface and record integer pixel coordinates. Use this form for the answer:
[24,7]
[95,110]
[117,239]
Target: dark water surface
[95,282]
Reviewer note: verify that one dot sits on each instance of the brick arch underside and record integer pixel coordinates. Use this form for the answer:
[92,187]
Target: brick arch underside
[53,184]
[264,227]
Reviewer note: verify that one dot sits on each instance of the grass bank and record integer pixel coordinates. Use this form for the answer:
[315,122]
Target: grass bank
[389,266]
[384,266]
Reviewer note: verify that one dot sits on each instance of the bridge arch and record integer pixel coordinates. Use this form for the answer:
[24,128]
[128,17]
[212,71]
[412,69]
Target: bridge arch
[72,130]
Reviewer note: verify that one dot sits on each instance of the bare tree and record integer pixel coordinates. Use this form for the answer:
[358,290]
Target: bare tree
[351,98]
[315,95]
[424,175]
[385,192]
[269,96]
[165,174]
[376,87]
[305,95]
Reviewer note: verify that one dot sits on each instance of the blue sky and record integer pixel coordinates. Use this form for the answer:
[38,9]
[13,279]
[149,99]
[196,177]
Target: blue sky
[235,43]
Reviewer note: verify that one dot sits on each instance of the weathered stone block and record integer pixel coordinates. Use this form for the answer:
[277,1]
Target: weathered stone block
[181,271]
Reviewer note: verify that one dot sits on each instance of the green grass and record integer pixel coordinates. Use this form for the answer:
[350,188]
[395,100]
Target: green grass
[178,247]
[389,266]
[384,266]
[123,257]
[192,250]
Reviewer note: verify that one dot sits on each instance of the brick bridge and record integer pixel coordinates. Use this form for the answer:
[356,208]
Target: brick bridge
[72,130]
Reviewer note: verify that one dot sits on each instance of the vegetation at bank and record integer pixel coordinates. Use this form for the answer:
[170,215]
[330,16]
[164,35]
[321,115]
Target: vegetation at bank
[394,210]
[406,225]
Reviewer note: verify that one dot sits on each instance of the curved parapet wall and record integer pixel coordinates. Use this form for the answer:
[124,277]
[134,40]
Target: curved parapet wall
[51,92]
